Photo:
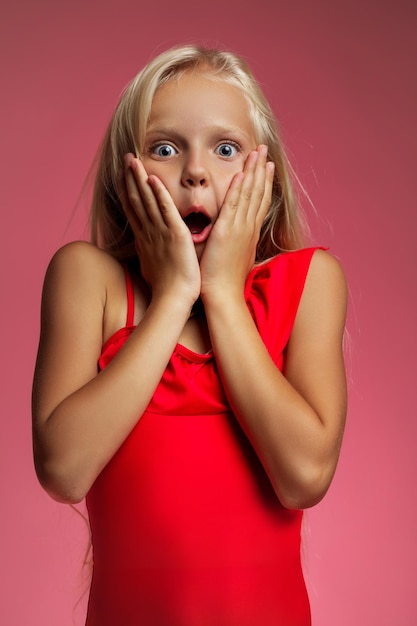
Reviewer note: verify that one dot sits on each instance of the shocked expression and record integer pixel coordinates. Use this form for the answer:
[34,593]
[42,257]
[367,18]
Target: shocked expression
[198,137]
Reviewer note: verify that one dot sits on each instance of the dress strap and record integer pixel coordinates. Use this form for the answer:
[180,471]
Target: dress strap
[130,298]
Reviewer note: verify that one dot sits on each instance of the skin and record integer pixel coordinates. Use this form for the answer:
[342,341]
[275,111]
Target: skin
[200,151]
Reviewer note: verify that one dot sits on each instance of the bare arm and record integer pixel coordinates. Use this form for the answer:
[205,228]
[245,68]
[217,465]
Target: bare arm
[80,418]
[295,421]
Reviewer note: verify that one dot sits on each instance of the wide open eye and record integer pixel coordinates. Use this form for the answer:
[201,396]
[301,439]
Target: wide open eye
[164,150]
[228,149]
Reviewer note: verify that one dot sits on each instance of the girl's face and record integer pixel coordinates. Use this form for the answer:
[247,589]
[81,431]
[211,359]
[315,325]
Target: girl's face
[198,137]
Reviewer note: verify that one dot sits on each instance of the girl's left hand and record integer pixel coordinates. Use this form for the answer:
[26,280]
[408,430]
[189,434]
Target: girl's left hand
[230,251]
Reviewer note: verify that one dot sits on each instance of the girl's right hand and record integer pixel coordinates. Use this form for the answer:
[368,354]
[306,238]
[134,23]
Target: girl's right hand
[168,259]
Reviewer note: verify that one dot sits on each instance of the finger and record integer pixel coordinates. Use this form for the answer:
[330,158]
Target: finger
[233,197]
[259,182]
[239,194]
[267,195]
[139,193]
[249,193]
[250,169]
[166,207]
[253,186]
[130,213]
[155,197]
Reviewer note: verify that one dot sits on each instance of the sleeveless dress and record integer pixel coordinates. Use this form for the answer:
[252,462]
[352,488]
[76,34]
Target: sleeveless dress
[186,528]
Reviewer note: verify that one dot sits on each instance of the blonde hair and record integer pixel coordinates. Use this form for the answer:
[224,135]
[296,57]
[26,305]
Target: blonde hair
[284,226]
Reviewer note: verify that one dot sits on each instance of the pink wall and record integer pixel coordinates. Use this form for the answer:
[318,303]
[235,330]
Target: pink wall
[341,76]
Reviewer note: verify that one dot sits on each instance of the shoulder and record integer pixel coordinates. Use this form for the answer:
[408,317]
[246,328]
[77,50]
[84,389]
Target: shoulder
[85,281]
[314,260]
[79,272]
[324,299]
[81,256]
[325,273]
[323,261]
[82,262]
[298,269]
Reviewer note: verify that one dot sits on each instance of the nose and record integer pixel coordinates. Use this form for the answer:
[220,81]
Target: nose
[195,172]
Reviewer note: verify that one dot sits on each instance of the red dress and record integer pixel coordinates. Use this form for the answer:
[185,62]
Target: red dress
[186,528]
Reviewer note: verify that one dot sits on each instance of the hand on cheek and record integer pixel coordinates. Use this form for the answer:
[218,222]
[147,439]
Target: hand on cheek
[231,249]
[164,246]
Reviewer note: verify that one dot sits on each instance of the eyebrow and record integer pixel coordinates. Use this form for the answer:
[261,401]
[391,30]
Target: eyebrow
[218,130]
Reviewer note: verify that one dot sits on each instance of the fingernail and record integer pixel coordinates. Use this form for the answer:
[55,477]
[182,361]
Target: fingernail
[263,150]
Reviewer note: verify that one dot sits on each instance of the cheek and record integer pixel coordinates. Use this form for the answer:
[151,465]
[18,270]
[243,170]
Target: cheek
[158,169]
[151,166]
[222,184]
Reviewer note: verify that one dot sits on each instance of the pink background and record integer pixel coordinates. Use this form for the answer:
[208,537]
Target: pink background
[342,78]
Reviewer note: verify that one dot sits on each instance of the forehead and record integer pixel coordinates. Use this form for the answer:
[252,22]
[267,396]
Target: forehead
[196,99]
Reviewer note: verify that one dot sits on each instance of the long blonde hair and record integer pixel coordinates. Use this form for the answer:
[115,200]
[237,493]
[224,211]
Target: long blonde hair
[284,226]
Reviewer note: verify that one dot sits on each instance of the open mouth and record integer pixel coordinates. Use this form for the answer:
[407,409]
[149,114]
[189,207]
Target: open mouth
[196,222]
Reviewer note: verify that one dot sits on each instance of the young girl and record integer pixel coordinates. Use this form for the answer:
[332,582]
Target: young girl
[190,380]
